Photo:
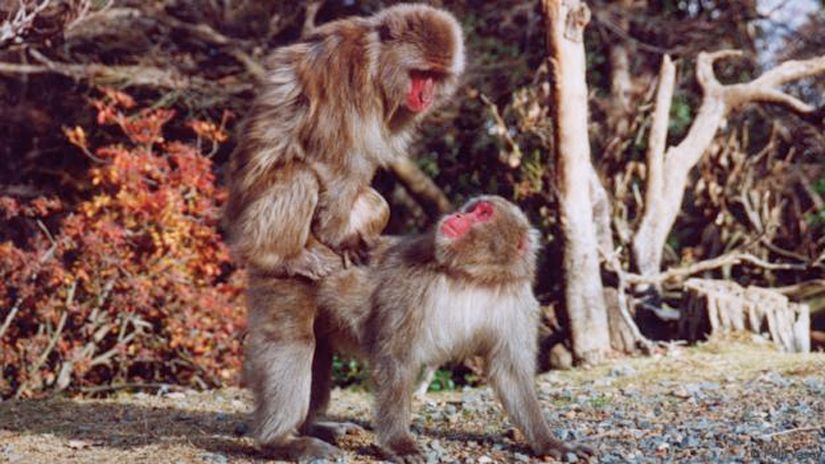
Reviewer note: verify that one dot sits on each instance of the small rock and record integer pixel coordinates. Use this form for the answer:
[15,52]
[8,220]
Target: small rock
[621,371]
[630,392]
[241,429]
[759,339]
[571,457]
[435,445]
[680,392]
[604,382]
[78,444]
[484,459]
[519,457]
[564,434]
[775,379]
[214,458]
[9,455]
[814,384]
[560,357]
[175,395]
[689,442]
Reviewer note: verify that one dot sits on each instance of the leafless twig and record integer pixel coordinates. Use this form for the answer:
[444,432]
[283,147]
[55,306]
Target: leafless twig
[16,25]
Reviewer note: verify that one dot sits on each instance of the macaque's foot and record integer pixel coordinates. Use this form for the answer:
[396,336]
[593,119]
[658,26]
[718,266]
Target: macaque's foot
[559,450]
[303,449]
[405,451]
[330,431]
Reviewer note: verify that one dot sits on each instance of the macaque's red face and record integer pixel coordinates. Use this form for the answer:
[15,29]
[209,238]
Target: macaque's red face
[458,224]
[422,91]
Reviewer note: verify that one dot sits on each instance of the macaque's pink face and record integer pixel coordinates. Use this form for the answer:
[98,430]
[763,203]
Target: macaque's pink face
[458,224]
[421,94]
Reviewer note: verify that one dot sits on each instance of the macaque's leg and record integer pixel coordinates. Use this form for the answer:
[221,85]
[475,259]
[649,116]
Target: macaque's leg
[278,365]
[394,379]
[427,375]
[328,431]
[512,375]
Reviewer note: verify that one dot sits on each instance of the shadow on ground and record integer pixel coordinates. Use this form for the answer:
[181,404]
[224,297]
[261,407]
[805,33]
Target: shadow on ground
[129,425]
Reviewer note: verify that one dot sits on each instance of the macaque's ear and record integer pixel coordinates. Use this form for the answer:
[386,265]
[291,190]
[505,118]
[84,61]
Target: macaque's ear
[522,244]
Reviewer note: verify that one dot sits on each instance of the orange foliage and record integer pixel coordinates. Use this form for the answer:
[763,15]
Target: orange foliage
[133,284]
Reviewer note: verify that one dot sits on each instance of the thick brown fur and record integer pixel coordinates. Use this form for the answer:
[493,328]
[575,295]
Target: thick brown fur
[334,108]
[432,298]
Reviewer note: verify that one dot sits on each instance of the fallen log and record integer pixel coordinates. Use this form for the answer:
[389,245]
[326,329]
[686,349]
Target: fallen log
[712,306]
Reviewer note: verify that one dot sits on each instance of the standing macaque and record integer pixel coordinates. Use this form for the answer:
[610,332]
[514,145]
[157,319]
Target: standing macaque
[463,289]
[333,108]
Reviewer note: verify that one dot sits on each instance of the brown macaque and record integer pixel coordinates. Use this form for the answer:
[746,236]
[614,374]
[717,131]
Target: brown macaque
[463,289]
[333,108]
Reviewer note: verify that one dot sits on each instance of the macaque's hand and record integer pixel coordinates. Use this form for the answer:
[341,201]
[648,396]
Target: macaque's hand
[314,263]
[354,251]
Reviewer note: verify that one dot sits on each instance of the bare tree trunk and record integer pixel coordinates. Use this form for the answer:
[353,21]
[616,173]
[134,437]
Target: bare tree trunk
[621,82]
[584,299]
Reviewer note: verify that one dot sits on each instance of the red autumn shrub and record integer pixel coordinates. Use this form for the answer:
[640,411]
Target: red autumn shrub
[132,284]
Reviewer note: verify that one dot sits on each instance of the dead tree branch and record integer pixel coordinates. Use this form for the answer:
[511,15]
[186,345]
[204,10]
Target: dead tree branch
[311,13]
[16,25]
[729,259]
[668,171]
[122,76]
[421,187]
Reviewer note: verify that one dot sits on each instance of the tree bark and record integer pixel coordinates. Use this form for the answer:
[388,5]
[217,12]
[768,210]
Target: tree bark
[584,299]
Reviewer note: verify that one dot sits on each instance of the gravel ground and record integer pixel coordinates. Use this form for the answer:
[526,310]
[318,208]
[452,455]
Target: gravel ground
[724,401]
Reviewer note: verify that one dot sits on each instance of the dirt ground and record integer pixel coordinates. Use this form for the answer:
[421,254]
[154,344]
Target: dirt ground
[723,401]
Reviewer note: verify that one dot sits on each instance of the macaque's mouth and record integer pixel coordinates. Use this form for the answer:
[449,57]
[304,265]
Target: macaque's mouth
[422,91]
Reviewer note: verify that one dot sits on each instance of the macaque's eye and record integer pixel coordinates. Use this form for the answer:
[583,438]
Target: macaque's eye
[482,211]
